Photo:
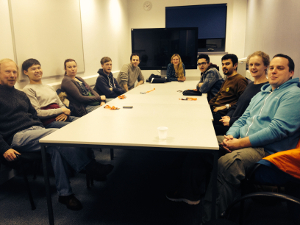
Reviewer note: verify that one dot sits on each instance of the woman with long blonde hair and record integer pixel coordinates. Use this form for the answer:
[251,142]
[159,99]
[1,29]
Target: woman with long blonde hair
[176,69]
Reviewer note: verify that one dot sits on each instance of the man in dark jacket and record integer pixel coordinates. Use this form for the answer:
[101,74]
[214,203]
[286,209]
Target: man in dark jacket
[211,80]
[106,84]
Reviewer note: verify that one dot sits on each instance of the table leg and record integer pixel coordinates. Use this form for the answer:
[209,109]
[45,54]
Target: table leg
[47,186]
[214,184]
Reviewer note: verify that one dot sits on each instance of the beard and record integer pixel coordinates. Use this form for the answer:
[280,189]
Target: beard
[227,72]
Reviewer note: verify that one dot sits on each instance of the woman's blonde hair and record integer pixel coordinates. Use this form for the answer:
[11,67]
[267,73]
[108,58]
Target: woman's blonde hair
[264,56]
[178,71]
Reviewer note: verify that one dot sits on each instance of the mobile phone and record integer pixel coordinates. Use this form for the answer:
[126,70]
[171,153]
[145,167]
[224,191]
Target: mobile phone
[127,107]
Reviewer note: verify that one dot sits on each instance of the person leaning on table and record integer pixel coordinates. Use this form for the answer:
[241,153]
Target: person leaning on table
[130,73]
[82,98]
[176,69]
[21,130]
[106,84]
[211,80]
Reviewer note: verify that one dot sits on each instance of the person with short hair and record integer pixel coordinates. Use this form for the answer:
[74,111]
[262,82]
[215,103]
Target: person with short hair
[258,62]
[82,98]
[130,73]
[51,111]
[231,89]
[106,84]
[176,69]
[21,130]
[211,80]
[270,124]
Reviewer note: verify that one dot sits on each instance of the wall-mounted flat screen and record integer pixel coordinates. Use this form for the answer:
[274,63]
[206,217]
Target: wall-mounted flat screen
[156,46]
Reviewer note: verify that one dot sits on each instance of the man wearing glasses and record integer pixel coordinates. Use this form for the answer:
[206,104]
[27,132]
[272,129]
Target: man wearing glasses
[211,80]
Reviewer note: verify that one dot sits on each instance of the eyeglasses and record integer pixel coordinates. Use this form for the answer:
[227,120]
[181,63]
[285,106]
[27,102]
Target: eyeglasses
[203,63]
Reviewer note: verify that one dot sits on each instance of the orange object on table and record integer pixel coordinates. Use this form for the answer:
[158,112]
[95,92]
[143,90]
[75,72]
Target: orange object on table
[150,90]
[111,108]
[188,99]
[121,96]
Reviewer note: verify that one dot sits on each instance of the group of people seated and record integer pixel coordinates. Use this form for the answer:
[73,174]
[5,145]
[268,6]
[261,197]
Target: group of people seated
[31,114]
[252,119]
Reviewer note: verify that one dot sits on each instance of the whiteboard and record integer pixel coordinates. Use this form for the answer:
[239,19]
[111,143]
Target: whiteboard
[6,45]
[49,31]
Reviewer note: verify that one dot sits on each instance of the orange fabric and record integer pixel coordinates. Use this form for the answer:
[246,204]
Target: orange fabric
[288,161]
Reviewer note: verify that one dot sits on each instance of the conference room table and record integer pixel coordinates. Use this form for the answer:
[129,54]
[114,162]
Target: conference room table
[189,125]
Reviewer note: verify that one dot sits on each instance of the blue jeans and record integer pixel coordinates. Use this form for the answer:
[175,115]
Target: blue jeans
[28,141]
[60,124]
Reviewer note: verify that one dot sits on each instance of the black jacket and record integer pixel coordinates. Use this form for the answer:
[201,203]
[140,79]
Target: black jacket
[104,83]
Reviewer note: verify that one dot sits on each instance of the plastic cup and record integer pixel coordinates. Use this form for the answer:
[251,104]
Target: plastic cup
[162,133]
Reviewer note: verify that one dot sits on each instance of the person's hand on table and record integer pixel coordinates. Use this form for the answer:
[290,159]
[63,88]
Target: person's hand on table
[181,79]
[10,154]
[139,83]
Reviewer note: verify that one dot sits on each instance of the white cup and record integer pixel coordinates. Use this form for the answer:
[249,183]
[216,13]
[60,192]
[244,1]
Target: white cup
[162,132]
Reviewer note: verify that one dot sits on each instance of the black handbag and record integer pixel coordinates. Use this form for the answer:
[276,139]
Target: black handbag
[156,79]
[192,92]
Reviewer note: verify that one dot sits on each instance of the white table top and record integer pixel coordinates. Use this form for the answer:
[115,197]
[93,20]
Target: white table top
[189,122]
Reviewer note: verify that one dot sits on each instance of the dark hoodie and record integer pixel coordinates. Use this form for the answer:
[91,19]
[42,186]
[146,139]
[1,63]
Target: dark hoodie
[104,83]
[212,81]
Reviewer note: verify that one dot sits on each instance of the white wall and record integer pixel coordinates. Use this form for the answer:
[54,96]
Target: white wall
[155,18]
[106,30]
[273,27]
[6,46]
[104,33]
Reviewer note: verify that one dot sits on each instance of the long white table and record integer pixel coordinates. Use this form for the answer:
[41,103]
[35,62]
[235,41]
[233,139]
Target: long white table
[189,123]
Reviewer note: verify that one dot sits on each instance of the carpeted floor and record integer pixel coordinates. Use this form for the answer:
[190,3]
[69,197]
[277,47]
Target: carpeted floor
[134,194]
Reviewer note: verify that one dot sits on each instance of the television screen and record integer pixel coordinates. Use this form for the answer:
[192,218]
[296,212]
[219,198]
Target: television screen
[157,45]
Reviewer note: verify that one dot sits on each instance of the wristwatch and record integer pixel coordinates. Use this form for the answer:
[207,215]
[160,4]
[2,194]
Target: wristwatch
[227,106]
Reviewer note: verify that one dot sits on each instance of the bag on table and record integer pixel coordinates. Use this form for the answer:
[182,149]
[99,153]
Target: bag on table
[192,92]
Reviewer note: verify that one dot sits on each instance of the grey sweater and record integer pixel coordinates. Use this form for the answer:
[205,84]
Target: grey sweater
[41,95]
[128,75]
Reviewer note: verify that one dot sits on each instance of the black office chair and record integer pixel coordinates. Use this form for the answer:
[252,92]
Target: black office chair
[258,181]
[22,164]
[230,216]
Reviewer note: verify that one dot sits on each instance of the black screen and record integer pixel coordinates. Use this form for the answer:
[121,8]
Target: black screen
[156,46]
